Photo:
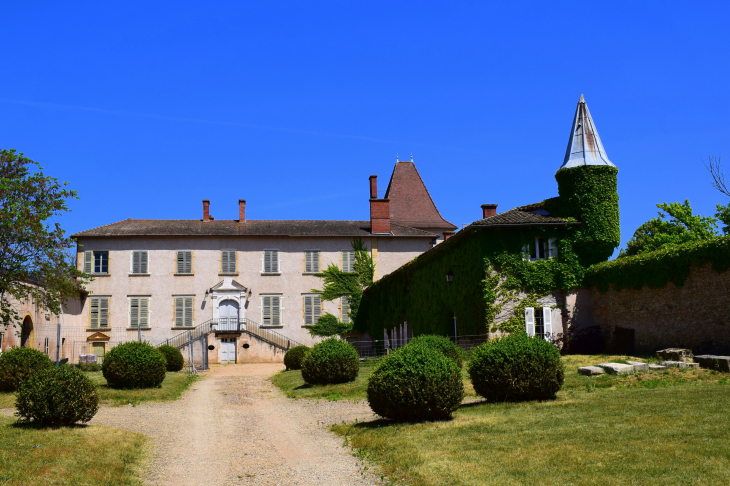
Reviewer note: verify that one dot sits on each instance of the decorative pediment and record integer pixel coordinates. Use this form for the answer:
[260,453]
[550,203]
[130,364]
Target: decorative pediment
[228,284]
[98,336]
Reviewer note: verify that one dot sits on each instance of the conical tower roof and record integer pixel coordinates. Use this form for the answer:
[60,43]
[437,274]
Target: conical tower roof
[584,144]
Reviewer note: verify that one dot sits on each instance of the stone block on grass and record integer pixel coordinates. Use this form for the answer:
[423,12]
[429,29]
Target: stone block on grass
[639,366]
[680,364]
[590,370]
[712,362]
[616,368]
[656,367]
[675,354]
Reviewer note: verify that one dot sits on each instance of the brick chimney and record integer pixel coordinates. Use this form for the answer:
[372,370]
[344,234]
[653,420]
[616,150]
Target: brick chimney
[241,210]
[379,210]
[489,210]
[206,210]
[448,234]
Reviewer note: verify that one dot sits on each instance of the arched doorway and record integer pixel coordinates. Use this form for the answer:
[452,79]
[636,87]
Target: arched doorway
[26,333]
[228,316]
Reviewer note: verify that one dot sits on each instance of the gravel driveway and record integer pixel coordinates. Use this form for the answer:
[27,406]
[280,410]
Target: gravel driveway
[235,427]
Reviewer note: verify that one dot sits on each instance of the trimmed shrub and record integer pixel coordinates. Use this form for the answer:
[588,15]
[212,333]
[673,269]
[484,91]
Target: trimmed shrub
[331,361]
[294,357]
[173,357]
[440,343]
[516,367]
[18,364]
[57,396]
[134,365]
[417,382]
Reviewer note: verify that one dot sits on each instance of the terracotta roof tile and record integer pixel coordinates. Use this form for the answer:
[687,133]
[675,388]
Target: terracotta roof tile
[410,202]
[532,214]
[195,227]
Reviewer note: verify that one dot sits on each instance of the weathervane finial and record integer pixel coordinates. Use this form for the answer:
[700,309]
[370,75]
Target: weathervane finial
[396,156]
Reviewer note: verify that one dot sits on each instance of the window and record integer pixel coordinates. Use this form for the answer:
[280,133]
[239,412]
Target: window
[540,249]
[139,312]
[139,261]
[311,261]
[271,310]
[348,260]
[185,261]
[312,309]
[271,261]
[183,312]
[96,262]
[228,261]
[98,312]
[344,309]
[45,346]
[538,322]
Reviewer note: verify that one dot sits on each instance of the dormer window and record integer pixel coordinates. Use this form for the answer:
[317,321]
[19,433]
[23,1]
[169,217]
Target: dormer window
[540,249]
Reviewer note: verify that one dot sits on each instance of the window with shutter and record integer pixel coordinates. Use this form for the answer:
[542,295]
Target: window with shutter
[183,312]
[308,310]
[344,309]
[348,261]
[271,261]
[88,262]
[275,310]
[93,313]
[185,261]
[311,261]
[547,319]
[98,312]
[312,309]
[552,248]
[133,313]
[139,312]
[271,310]
[139,261]
[530,321]
[539,322]
[228,261]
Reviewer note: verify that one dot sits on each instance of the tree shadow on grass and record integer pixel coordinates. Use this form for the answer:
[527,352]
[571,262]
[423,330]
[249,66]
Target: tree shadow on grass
[36,426]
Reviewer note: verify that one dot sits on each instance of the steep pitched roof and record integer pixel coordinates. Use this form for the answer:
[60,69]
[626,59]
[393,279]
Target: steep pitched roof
[196,227]
[410,202]
[584,144]
[530,215]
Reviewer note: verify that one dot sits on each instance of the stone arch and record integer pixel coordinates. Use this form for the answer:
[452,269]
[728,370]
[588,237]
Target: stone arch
[27,332]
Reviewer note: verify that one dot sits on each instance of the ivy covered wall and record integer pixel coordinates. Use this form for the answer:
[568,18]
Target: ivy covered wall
[491,276]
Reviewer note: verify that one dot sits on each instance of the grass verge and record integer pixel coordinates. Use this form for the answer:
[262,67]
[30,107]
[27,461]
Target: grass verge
[629,436]
[294,386]
[68,455]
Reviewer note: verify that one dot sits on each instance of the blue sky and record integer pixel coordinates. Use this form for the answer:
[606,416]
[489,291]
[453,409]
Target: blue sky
[149,107]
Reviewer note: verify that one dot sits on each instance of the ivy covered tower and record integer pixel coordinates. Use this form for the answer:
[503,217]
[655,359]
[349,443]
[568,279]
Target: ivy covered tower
[588,190]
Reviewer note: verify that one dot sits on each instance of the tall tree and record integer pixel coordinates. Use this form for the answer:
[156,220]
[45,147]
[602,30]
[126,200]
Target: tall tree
[35,258]
[675,227]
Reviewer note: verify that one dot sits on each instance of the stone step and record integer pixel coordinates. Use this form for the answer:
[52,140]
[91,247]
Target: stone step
[655,367]
[616,368]
[675,354]
[680,364]
[590,370]
[712,362]
[639,366]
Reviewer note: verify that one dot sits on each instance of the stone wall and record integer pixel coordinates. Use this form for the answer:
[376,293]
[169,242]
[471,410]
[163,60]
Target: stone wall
[695,316]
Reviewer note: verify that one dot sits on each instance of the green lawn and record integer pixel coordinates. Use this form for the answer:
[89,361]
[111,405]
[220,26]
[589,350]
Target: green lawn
[82,455]
[294,386]
[173,386]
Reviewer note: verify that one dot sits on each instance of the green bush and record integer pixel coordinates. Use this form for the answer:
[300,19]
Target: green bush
[417,382]
[134,365]
[57,396]
[516,367]
[18,364]
[331,361]
[329,325]
[294,357]
[173,357]
[442,344]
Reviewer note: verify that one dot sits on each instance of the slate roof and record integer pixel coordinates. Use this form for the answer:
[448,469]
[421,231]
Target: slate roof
[530,215]
[195,227]
[410,202]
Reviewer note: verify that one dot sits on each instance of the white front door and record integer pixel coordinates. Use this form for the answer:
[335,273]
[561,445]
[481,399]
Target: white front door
[228,350]
[228,316]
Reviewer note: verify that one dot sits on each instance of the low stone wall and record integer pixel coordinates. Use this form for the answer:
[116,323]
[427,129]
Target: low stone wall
[695,316]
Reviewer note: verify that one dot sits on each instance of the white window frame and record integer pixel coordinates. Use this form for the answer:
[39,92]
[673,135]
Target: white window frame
[342,259]
[131,262]
[550,250]
[319,261]
[129,311]
[278,262]
[174,311]
[281,308]
[93,256]
[315,316]
[547,321]
[235,261]
[108,312]
[192,258]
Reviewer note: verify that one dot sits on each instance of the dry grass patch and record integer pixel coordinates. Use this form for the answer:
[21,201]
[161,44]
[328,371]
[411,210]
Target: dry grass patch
[7,400]
[81,455]
[640,436]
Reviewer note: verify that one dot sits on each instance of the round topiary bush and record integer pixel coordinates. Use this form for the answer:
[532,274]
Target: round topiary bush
[440,343]
[294,357]
[416,383]
[18,364]
[173,356]
[331,361]
[57,396]
[134,365]
[516,367]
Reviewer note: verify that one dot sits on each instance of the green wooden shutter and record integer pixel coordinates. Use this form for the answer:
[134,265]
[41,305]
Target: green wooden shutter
[267,310]
[144,312]
[267,261]
[224,261]
[188,311]
[179,312]
[344,309]
[134,312]
[184,262]
[104,312]
[136,262]
[316,308]
[275,310]
[88,262]
[143,262]
[94,313]
[308,261]
[315,261]
[308,311]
